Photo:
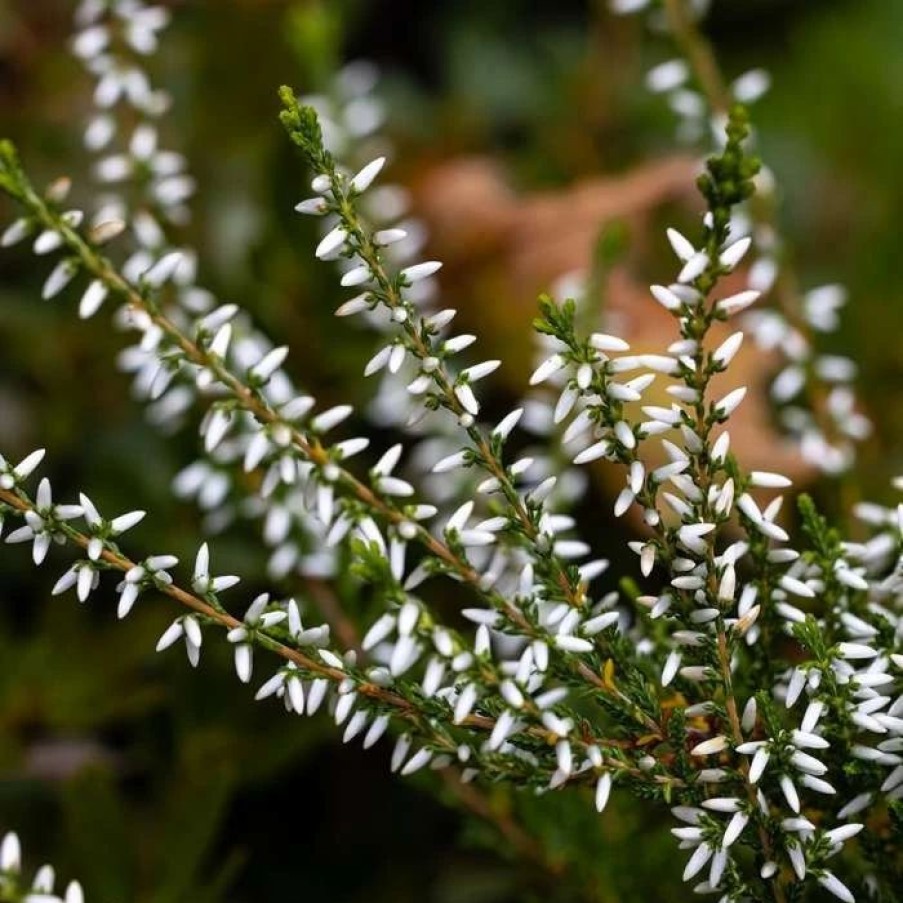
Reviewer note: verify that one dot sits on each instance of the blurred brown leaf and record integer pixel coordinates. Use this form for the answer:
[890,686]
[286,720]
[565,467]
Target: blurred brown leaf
[502,250]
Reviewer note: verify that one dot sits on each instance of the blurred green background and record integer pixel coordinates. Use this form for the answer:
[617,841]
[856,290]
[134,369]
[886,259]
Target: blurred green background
[154,783]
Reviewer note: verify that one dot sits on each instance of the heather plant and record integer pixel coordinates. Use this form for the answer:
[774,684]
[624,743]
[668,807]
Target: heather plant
[743,678]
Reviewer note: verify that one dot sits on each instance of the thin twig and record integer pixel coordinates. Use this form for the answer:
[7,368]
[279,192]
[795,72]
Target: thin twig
[403,708]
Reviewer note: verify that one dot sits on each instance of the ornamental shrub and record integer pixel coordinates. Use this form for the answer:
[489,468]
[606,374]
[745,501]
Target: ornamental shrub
[742,677]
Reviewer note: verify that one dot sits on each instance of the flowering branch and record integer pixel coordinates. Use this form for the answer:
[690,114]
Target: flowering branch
[209,357]
[45,521]
[683,689]
[827,423]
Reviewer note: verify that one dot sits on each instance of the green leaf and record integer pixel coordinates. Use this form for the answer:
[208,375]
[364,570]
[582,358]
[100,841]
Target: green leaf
[99,836]
[197,802]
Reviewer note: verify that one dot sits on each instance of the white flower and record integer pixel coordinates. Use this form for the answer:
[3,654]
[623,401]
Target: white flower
[60,276]
[43,521]
[269,364]
[201,580]
[256,618]
[694,267]
[102,529]
[569,643]
[15,232]
[595,451]
[733,254]
[153,571]
[186,627]
[835,886]
[331,418]
[312,206]
[709,747]
[74,893]
[604,342]
[735,303]
[683,248]
[549,366]
[420,271]
[727,405]
[666,297]
[603,791]
[164,269]
[468,400]
[750,86]
[92,299]
[83,576]
[626,7]
[10,854]
[331,243]
[48,240]
[667,76]
[726,351]
[364,179]
[11,476]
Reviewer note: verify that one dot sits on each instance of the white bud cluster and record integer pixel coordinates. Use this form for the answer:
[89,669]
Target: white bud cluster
[813,391]
[42,886]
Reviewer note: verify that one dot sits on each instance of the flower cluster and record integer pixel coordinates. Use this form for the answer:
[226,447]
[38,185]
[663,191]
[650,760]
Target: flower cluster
[812,389]
[14,888]
[746,678]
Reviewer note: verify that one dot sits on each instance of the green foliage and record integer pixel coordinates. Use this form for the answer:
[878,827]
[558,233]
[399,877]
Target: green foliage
[728,180]
[824,538]
[303,127]
[556,320]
